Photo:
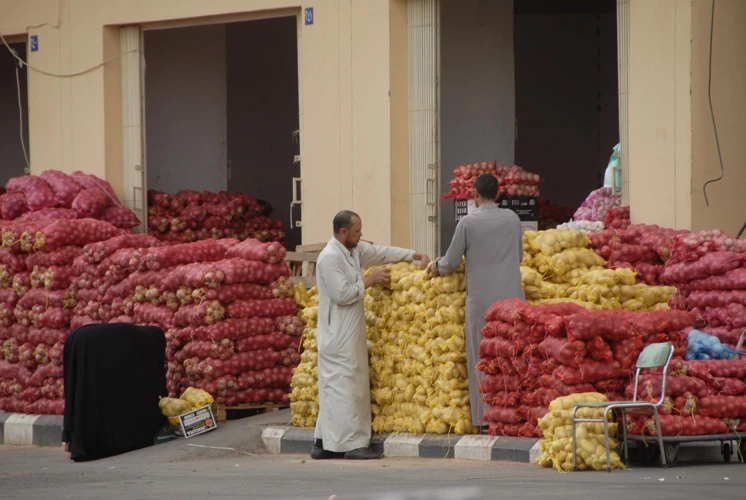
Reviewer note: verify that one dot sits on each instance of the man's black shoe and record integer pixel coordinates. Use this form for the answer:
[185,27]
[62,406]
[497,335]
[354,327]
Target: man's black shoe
[319,453]
[362,454]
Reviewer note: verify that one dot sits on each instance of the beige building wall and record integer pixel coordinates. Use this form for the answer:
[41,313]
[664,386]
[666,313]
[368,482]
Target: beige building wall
[350,157]
[660,136]
[727,202]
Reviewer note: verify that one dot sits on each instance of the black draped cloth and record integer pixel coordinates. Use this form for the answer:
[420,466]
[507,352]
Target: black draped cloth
[114,375]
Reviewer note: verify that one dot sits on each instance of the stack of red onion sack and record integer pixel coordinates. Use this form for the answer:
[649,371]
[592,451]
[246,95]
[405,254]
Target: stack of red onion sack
[702,398]
[191,216]
[513,180]
[643,248]
[708,269]
[234,332]
[37,299]
[105,284]
[55,195]
[617,218]
[531,355]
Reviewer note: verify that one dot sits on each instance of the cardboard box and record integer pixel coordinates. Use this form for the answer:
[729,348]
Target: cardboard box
[194,423]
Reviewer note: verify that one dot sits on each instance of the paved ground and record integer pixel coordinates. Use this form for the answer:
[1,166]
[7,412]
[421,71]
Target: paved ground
[176,470]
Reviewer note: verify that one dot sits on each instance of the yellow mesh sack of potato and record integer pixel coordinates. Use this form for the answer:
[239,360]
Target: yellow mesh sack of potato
[197,397]
[419,379]
[562,263]
[172,407]
[304,395]
[556,425]
[554,241]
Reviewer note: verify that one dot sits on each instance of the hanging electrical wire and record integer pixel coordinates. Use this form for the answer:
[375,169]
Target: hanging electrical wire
[20,118]
[21,63]
[712,112]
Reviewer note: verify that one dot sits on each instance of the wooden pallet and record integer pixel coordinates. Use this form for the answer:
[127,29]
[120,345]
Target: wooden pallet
[223,412]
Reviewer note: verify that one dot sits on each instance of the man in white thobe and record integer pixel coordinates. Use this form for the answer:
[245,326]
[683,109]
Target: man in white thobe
[491,239]
[343,429]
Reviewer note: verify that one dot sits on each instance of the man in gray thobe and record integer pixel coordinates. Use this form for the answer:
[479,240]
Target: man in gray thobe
[343,428]
[491,239]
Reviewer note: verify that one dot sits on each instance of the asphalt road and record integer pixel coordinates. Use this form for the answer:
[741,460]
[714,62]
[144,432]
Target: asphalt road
[184,473]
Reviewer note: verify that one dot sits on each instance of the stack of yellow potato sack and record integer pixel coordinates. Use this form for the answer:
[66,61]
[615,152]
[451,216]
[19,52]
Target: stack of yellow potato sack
[556,447]
[415,329]
[559,266]
[304,398]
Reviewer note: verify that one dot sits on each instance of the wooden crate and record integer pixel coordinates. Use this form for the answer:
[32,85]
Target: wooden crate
[223,412]
[302,263]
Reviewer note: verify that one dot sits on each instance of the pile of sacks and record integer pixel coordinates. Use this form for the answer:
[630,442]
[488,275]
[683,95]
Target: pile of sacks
[304,398]
[556,425]
[192,215]
[55,195]
[415,329]
[532,355]
[37,303]
[559,266]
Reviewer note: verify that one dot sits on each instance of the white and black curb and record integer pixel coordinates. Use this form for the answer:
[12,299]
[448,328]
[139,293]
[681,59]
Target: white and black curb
[291,440]
[19,429]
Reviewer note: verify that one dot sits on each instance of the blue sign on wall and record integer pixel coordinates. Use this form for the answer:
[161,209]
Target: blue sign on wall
[309,16]
[34,43]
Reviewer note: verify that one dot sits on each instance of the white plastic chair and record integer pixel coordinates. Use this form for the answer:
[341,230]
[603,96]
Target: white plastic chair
[653,356]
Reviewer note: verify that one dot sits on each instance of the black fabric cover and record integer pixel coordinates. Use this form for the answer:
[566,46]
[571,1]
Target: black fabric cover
[114,375]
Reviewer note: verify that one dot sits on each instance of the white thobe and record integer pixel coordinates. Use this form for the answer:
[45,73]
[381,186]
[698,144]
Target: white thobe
[344,421]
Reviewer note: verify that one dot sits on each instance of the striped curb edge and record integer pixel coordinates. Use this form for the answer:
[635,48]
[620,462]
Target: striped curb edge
[292,440]
[19,429]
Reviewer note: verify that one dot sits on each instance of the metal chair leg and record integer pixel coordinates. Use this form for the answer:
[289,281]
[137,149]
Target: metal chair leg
[574,443]
[606,440]
[624,430]
[660,437]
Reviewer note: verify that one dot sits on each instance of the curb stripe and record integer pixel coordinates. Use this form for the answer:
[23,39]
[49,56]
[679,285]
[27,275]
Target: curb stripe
[402,445]
[475,447]
[19,429]
[272,437]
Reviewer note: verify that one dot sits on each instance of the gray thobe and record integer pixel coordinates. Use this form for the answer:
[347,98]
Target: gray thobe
[344,421]
[491,240]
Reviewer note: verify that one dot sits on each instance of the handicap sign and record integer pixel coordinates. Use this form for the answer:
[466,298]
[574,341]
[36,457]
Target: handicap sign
[309,16]
[34,43]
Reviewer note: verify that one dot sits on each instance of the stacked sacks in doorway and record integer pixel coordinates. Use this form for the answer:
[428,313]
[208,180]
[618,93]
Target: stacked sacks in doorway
[419,376]
[304,398]
[192,215]
[513,180]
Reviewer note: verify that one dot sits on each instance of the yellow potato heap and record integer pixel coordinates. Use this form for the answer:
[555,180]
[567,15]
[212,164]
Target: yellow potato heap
[304,399]
[300,294]
[419,378]
[190,400]
[558,267]
[556,447]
